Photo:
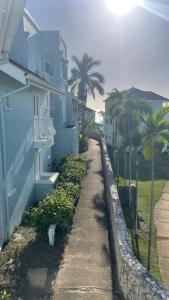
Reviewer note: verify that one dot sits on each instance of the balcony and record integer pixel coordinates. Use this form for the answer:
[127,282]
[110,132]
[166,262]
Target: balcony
[43,133]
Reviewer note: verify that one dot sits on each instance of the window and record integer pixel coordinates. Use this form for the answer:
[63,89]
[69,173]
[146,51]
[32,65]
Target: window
[49,63]
[107,121]
[64,69]
[111,121]
[36,105]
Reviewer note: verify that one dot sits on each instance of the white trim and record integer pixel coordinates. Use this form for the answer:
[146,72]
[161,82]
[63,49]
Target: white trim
[42,84]
[13,72]
[11,12]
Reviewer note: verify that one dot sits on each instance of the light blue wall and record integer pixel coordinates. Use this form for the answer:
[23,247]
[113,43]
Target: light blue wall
[45,47]
[66,143]
[72,110]
[58,111]
[18,51]
[19,147]
[19,143]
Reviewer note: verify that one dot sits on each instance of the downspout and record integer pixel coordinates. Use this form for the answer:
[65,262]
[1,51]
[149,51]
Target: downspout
[3,150]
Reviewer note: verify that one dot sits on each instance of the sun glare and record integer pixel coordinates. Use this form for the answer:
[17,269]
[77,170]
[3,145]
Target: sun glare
[122,7]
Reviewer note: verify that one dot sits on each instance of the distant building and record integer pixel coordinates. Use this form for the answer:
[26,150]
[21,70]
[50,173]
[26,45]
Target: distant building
[111,134]
[89,116]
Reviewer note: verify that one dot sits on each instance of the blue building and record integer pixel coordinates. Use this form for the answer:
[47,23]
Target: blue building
[38,118]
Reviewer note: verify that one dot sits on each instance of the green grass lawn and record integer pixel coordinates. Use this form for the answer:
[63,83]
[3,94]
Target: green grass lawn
[144,212]
[144,196]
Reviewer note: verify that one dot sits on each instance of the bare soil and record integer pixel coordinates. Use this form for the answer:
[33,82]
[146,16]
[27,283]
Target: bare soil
[24,251]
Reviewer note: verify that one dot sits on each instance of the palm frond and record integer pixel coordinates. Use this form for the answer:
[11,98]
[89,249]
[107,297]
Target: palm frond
[97,86]
[98,76]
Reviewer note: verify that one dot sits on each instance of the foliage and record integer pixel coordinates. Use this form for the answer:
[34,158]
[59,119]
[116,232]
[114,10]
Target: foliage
[155,131]
[4,294]
[144,213]
[83,143]
[57,208]
[72,190]
[83,80]
[76,158]
[74,169]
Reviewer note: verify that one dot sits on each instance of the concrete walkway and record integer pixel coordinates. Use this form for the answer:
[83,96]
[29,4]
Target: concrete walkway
[161,216]
[85,272]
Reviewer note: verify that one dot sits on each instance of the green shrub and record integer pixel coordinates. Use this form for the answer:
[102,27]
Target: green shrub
[83,143]
[72,189]
[76,158]
[73,171]
[57,208]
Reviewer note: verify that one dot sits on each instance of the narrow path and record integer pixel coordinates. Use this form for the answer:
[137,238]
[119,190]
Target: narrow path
[161,216]
[85,272]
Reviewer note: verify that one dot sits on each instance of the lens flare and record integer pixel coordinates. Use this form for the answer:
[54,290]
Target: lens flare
[122,7]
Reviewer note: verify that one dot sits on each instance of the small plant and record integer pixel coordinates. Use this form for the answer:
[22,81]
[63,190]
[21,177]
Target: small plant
[83,143]
[73,171]
[72,189]
[4,294]
[57,208]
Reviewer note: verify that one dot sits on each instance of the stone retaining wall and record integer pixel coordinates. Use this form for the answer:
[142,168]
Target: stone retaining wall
[135,281]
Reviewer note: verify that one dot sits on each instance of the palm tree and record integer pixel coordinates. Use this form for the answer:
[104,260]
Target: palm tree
[114,110]
[84,80]
[156,130]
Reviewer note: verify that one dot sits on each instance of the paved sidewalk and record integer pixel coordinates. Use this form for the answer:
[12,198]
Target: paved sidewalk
[161,216]
[85,272]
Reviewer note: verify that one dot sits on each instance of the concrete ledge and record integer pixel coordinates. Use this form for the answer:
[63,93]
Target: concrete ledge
[135,281]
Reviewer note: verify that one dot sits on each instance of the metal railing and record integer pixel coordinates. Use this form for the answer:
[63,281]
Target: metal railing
[43,129]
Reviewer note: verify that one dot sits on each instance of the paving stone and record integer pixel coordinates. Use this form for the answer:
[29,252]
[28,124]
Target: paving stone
[162,215]
[77,295]
[85,271]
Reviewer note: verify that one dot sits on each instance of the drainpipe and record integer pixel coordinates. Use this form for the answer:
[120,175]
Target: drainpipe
[3,150]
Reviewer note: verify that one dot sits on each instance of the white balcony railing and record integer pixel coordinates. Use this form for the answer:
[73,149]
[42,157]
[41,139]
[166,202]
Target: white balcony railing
[43,132]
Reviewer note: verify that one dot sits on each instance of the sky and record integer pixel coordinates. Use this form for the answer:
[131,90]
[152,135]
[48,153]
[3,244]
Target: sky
[133,49]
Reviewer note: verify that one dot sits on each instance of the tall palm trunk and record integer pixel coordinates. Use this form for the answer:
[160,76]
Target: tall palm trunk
[130,176]
[136,200]
[151,211]
[83,118]
[125,167]
[136,209]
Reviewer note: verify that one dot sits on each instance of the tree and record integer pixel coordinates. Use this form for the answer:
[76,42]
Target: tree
[84,80]
[114,110]
[155,131]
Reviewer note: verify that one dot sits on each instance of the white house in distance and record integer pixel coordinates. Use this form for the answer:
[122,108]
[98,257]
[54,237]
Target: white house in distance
[110,133]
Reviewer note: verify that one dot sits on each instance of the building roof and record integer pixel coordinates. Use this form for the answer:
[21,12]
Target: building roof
[29,22]
[23,75]
[90,109]
[10,14]
[147,95]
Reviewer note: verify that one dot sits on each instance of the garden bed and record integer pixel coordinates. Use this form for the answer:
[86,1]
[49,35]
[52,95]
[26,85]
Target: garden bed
[29,248]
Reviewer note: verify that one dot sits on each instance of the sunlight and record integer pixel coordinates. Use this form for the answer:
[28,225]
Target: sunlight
[158,9]
[122,7]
